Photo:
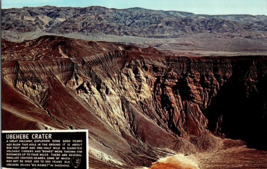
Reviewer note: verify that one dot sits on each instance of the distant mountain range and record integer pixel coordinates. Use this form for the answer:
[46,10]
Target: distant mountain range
[133,21]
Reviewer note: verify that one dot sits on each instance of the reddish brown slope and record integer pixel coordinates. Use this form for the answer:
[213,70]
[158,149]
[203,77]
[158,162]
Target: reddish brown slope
[49,47]
[19,112]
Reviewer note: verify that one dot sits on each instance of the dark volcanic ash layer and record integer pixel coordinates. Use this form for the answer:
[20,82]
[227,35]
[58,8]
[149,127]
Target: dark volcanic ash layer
[139,104]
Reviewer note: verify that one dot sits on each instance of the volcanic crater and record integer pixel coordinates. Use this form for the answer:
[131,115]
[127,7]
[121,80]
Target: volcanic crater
[139,104]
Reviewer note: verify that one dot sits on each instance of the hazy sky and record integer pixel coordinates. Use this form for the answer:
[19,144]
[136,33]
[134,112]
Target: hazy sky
[254,7]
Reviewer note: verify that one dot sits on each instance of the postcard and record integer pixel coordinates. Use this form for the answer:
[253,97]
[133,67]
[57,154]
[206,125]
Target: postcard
[134,84]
